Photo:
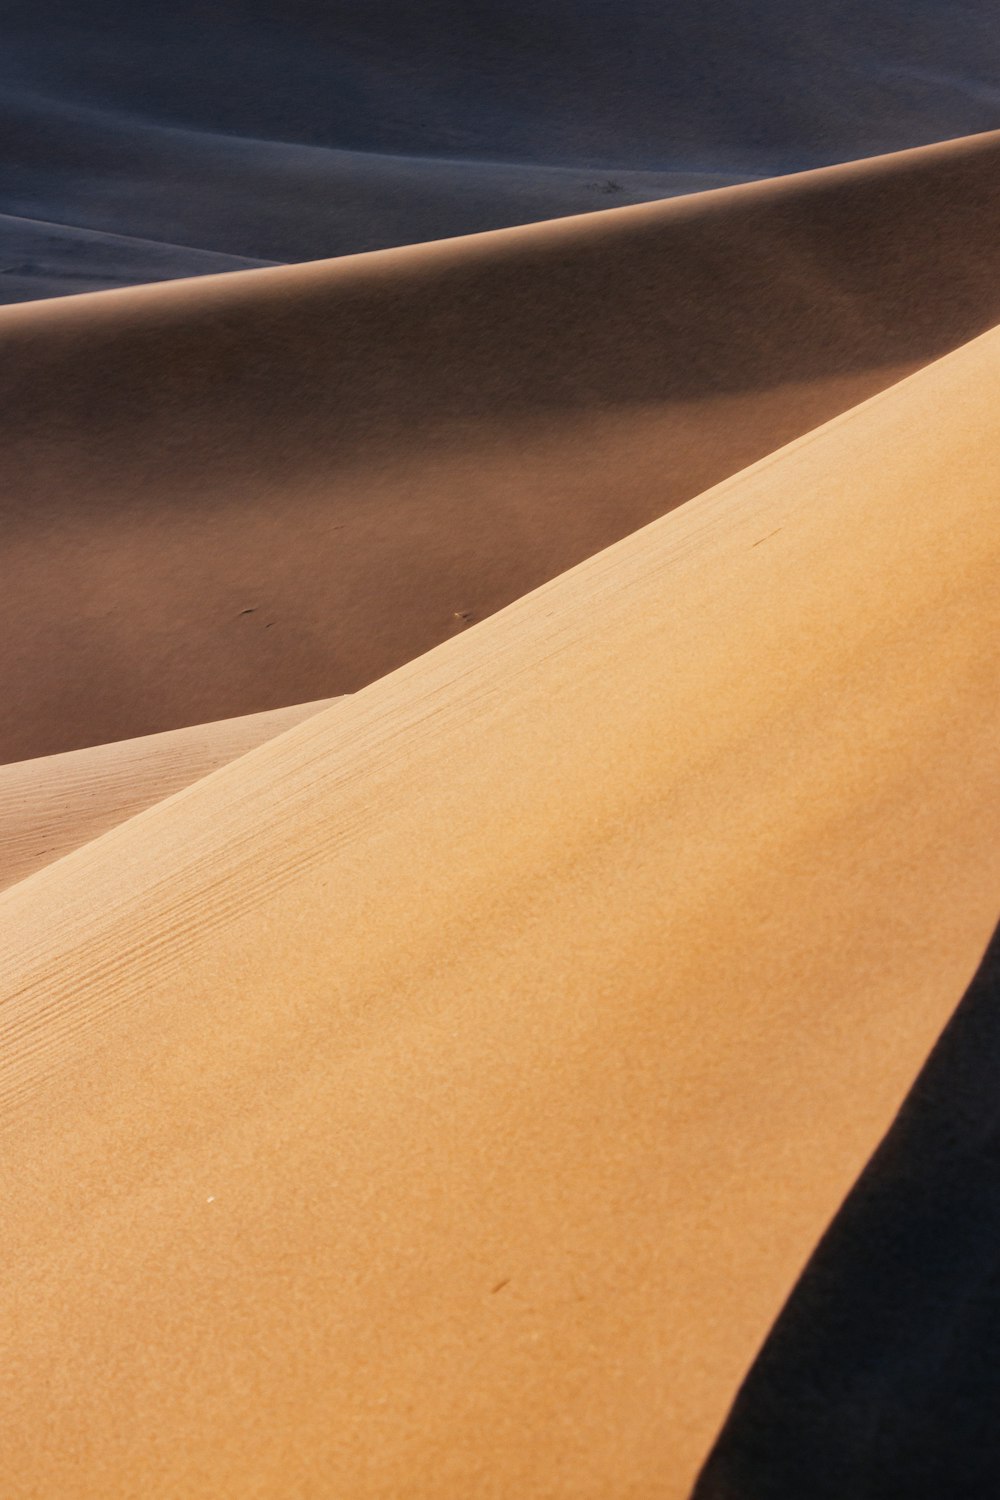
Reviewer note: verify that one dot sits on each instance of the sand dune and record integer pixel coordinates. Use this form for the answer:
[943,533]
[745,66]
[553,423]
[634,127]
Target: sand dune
[228,494]
[499,1081]
[442,1098]
[570,82]
[39,259]
[55,804]
[880,1377]
[293,132]
[175,189]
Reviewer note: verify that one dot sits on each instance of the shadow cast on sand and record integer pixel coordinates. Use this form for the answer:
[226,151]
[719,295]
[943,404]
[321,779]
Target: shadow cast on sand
[881,1378]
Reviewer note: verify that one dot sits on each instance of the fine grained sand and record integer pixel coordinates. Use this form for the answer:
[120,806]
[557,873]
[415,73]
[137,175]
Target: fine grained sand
[441,1099]
[53,805]
[224,495]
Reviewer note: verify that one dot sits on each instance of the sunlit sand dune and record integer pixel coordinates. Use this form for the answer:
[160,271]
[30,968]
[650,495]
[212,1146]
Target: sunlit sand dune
[55,804]
[228,494]
[441,1099]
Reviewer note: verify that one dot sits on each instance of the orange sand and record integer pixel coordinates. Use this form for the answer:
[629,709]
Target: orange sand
[440,1100]
[55,804]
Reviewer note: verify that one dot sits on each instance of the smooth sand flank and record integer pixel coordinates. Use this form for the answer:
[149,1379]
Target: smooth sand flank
[43,259]
[290,132]
[55,804]
[442,1099]
[880,1377]
[150,193]
[371,453]
[688,83]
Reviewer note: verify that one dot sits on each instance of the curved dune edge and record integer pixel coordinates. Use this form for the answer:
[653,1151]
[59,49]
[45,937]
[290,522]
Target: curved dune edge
[854,1391]
[51,806]
[444,1097]
[234,201]
[276,486]
[39,258]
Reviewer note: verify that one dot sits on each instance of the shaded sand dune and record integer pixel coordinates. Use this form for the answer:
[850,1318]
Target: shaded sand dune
[881,1376]
[173,189]
[53,805]
[698,83]
[442,1098]
[282,131]
[39,259]
[272,487]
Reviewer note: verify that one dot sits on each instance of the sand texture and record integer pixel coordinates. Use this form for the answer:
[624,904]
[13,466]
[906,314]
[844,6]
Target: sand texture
[225,495]
[555,1058]
[442,1098]
[53,805]
[880,1377]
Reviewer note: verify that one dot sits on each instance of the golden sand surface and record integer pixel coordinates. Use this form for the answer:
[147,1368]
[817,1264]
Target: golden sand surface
[441,1099]
[53,805]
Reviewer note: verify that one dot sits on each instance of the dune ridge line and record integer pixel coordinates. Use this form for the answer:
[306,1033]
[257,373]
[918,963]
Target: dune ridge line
[525,1017]
[374,453]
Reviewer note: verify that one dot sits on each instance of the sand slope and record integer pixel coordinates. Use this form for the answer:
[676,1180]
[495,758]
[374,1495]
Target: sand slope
[368,454]
[176,189]
[633,84]
[55,804]
[40,259]
[881,1376]
[282,131]
[442,1098]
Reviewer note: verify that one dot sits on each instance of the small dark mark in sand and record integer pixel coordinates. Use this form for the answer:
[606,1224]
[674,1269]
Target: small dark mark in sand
[269,624]
[465,615]
[500,1285]
[251,611]
[767,538]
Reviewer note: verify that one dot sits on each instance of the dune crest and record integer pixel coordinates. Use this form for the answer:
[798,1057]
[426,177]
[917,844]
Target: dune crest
[268,200]
[276,486]
[451,1089]
[51,806]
